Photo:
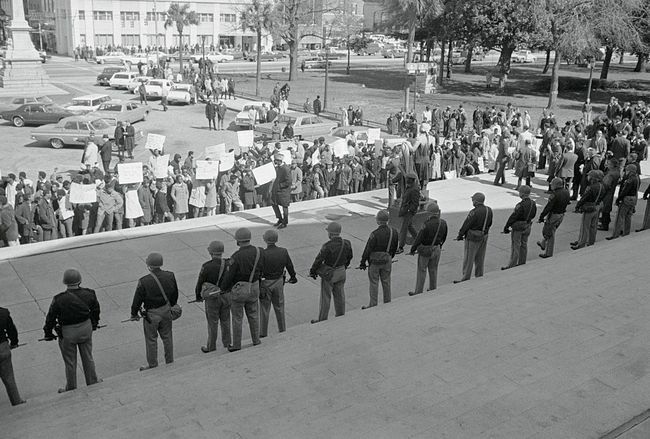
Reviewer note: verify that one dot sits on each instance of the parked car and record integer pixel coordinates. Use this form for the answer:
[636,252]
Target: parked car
[264,56]
[242,120]
[145,58]
[306,126]
[372,48]
[122,79]
[333,53]
[133,85]
[523,56]
[86,104]
[315,62]
[36,114]
[361,135]
[215,57]
[17,102]
[110,58]
[154,87]
[105,76]
[123,111]
[393,52]
[180,94]
[72,130]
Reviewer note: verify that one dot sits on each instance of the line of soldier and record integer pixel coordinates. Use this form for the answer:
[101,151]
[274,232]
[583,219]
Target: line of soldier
[253,279]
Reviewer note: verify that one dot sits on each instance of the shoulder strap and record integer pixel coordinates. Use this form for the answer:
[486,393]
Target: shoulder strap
[340,253]
[79,299]
[600,187]
[162,290]
[257,258]
[530,209]
[221,269]
[487,212]
[390,239]
[437,230]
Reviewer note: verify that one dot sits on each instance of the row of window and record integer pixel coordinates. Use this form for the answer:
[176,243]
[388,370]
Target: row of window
[162,16]
[128,40]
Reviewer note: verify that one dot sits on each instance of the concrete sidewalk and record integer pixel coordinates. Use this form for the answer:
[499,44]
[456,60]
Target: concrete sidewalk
[554,349]
[112,262]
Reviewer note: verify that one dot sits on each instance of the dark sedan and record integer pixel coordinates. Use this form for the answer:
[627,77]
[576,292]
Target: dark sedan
[36,114]
[104,77]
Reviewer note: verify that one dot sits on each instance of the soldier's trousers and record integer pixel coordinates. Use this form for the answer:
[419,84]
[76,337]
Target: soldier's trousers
[78,337]
[272,293]
[7,374]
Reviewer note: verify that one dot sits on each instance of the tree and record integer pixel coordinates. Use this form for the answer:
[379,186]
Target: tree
[346,25]
[295,19]
[180,16]
[258,18]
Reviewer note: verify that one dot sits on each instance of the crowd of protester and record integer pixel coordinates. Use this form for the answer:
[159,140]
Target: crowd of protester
[441,144]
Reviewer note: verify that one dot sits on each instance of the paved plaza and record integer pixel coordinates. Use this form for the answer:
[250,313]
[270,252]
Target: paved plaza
[554,349]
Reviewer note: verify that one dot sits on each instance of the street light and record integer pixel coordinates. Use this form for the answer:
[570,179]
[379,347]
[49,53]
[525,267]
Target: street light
[592,64]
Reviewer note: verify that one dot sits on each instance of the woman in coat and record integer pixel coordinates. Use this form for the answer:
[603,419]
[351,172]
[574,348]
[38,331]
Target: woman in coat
[249,197]
[180,195]
[525,163]
[145,197]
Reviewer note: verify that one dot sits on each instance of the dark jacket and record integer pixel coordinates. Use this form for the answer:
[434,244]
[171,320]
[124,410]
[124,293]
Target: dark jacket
[241,266]
[210,111]
[276,260]
[428,233]
[525,210]
[148,293]
[45,216]
[210,273]
[8,224]
[106,150]
[593,195]
[629,188]
[73,306]
[557,203]
[329,252]
[410,201]
[318,107]
[8,331]
[281,190]
[378,242]
[476,219]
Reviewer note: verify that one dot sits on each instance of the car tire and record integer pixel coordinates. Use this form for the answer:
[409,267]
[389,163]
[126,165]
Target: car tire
[18,121]
[56,143]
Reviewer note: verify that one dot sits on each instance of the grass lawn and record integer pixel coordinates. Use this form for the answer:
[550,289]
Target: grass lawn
[380,91]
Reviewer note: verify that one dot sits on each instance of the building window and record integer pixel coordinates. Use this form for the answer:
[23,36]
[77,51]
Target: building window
[103,40]
[161,16]
[206,18]
[355,9]
[82,39]
[82,15]
[209,39]
[228,18]
[130,40]
[102,15]
[129,16]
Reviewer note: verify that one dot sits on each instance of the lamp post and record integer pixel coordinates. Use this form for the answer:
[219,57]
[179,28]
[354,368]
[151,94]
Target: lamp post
[155,17]
[327,58]
[592,64]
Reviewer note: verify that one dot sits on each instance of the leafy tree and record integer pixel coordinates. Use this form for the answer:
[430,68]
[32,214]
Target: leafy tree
[346,25]
[180,16]
[258,17]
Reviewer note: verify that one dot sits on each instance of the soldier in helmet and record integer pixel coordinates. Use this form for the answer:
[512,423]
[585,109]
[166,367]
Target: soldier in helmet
[379,252]
[8,341]
[330,264]
[74,314]
[520,222]
[217,300]
[157,292]
[242,278]
[408,209]
[281,191]
[276,260]
[428,245]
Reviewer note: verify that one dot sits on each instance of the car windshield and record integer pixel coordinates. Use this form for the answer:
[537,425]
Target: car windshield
[159,83]
[99,124]
[54,109]
[283,118]
[110,107]
[81,102]
[181,87]
[44,99]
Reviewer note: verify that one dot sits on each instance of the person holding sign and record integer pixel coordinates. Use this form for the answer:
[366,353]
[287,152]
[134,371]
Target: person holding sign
[281,191]
[110,204]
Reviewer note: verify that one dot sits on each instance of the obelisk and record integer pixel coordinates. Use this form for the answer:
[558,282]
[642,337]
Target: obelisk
[23,73]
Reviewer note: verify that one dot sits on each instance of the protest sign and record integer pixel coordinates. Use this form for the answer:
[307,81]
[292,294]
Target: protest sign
[83,193]
[374,134]
[315,159]
[133,209]
[263,174]
[160,166]
[450,175]
[286,157]
[227,161]
[207,169]
[155,141]
[245,139]
[339,148]
[215,152]
[129,173]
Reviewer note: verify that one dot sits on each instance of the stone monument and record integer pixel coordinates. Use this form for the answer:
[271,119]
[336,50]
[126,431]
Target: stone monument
[22,73]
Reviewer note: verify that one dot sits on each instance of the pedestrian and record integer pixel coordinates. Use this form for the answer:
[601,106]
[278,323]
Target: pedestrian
[318,106]
[142,90]
[8,224]
[231,89]
[242,279]
[502,158]
[129,139]
[520,222]
[118,135]
[646,215]
[210,114]
[74,315]
[330,264]
[589,205]
[106,153]
[164,92]
[428,245]
[408,209]
[552,216]
[109,204]
[221,114]
[217,301]
[276,261]
[8,341]
[307,106]
[475,231]
[378,257]
[281,191]
[155,300]
[296,181]
[90,156]
[525,163]
[626,202]
[180,195]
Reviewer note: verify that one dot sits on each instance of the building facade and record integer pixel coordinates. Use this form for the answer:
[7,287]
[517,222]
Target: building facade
[141,23]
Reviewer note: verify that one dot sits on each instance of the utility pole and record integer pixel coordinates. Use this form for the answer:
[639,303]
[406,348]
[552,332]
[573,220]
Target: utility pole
[155,17]
[40,36]
[592,64]
[327,61]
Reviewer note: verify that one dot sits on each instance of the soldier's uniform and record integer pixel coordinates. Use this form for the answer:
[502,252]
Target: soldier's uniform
[157,318]
[74,314]
[336,254]
[281,192]
[379,252]
[276,260]
[428,245]
[8,340]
